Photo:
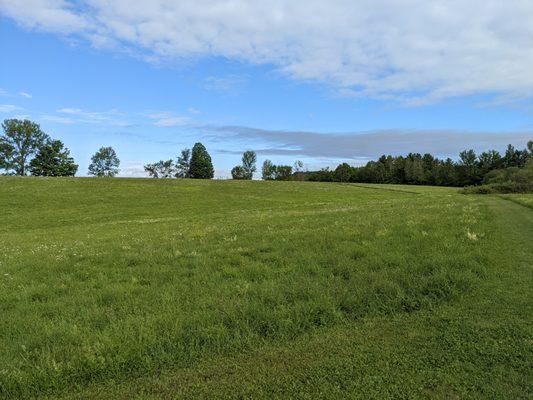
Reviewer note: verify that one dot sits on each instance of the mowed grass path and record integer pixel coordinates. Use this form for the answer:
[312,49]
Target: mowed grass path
[127,288]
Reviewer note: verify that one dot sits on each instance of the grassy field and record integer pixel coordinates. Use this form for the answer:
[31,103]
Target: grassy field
[133,288]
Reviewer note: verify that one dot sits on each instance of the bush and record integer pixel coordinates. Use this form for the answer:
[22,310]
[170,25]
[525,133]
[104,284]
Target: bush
[238,172]
[508,180]
[503,188]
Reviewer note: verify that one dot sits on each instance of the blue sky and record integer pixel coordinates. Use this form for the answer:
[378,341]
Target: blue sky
[93,74]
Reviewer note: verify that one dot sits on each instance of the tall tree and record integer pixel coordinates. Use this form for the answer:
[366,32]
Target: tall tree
[183,164]
[514,157]
[20,141]
[201,165]
[268,171]
[468,170]
[104,163]
[249,159]
[160,169]
[489,160]
[53,159]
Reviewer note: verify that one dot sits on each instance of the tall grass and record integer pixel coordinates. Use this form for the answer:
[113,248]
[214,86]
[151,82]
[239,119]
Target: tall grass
[112,279]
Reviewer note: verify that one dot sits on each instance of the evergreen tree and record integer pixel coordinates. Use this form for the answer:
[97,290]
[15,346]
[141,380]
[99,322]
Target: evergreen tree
[514,157]
[468,168]
[201,166]
[489,160]
[53,160]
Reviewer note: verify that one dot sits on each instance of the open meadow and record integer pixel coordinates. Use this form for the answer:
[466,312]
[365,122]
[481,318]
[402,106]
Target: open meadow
[139,288]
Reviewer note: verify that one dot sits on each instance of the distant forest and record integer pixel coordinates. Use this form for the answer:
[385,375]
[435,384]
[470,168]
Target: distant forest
[417,169]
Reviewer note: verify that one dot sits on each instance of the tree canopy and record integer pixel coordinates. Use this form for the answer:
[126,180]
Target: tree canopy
[53,159]
[183,164]
[201,166]
[247,169]
[268,171]
[417,169]
[104,163]
[249,159]
[20,141]
[238,172]
[161,169]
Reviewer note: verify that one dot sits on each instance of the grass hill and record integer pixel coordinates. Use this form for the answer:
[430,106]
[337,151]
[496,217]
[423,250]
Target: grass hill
[126,288]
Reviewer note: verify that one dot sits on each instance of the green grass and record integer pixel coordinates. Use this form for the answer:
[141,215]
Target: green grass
[524,199]
[132,288]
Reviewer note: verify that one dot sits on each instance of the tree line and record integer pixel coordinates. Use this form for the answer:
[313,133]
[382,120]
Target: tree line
[26,149]
[417,169]
[195,164]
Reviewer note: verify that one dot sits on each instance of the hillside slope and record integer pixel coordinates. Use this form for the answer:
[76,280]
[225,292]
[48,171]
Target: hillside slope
[126,288]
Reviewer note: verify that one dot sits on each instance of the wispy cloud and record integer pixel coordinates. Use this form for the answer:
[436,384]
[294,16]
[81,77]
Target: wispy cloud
[9,108]
[111,117]
[25,94]
[166,119]
[57,119]
[364,145]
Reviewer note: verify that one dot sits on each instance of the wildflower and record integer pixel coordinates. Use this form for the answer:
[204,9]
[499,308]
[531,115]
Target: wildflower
[471,235]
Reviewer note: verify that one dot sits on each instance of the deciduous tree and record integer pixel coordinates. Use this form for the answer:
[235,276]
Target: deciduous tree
[268,170]
[104,163]
[161,169]
[249,158]
[20,141]
[238,172]
[183,164]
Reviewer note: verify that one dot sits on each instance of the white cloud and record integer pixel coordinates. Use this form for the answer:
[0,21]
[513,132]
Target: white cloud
[192,110]
[171,121]
[111,117]
[9,108]
[49,15]
[414,51]
[166,119]
[3,92]
[26,95]
[57,119]
[133,170]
